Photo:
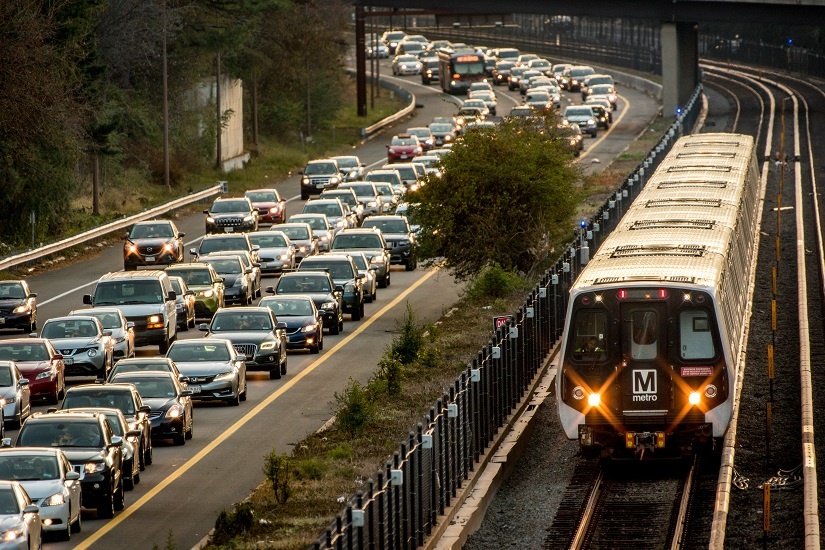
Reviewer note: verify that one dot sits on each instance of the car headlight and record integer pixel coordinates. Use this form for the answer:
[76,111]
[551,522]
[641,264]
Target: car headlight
[329,305]
[448,137]
[305,180]
[94,467]
[207,293]
[377,260]
[224,375]
[283,257]
[268,345]
[121,339]
[349,287]
[167,247]
[54,500]
[339,223]
[333,179]
[240,281]
[210,219]
[372,204]
[154,321]
[404,242]
[302,248]
[22,309]
[324,238]
[391,151]
[403,66]
[7,400]
[590,122]
[11,534]
[174,411]
[417,150]
[92,352]
[309,328]
[45,374]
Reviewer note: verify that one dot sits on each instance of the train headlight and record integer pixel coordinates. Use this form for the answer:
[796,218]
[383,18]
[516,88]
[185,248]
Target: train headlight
[594,399]
[711,391]
[686,297]
[694,398]
[578,393]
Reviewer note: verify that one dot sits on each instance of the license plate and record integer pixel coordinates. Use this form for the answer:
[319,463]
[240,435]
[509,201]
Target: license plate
[320,185]
[194,389]
[2,320]
[403,156]
[68,361]
[150,258]
[229,229]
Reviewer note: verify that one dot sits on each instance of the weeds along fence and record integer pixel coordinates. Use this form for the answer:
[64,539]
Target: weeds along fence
[401,505]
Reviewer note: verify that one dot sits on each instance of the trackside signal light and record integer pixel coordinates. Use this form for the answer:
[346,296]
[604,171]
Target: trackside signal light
[629,440]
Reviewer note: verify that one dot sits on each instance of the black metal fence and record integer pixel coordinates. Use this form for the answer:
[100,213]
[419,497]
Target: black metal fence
[401,505]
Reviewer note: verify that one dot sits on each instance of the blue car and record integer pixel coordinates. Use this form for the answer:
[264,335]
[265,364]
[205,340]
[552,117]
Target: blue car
[304,323]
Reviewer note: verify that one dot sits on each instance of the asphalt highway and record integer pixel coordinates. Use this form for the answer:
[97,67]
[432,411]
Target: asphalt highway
[187,486]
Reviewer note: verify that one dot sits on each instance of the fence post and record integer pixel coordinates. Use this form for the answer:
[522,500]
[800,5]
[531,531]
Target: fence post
[420,474]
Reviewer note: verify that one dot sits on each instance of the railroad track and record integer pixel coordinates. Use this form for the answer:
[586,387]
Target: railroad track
[626,505]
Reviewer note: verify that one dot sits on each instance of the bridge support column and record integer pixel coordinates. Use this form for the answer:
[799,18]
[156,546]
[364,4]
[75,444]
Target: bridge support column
[680,65]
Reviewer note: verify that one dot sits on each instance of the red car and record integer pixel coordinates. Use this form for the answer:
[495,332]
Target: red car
[270,205]
[40,363]
[403,147]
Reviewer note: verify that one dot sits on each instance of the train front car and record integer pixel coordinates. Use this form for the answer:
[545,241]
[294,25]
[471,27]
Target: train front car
[657,319]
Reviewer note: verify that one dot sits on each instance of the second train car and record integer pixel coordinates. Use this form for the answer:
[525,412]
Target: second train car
[658,317]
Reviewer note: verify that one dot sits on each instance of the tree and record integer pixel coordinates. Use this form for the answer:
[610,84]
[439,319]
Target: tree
[505,195]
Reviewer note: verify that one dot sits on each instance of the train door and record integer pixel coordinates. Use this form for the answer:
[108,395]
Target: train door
[645,379]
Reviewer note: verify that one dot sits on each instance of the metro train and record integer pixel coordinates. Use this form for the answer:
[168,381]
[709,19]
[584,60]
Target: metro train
[658,317]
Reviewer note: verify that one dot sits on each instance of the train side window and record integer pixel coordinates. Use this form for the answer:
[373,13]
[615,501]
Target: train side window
[695,336]
[644,331]
[590,336]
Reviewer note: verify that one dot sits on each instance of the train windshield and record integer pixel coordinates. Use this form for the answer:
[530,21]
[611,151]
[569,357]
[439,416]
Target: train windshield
[643,335]
[590,336]
[695,335]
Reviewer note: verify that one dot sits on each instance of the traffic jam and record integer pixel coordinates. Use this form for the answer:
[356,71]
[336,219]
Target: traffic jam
[91,394]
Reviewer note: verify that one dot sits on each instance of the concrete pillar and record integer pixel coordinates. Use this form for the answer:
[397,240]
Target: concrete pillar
[680,65]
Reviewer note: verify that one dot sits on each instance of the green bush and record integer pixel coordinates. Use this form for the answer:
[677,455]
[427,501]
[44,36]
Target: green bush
[494,282]
[276,470]
[406,345]
[341,452]
[391,370]
[355,410]
[430,357]
[233,523]
[312,468]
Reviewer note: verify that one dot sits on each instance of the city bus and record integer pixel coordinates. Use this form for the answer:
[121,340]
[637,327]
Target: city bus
[458,70]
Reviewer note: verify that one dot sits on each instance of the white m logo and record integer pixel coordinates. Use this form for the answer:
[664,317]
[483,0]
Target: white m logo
[644,381]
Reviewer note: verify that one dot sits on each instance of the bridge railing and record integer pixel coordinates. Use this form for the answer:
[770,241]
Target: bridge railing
[405,501]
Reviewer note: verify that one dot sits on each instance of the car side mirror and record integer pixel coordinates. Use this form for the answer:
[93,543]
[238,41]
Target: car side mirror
[188,293]
[256,247]
[5,442]
[240,357]
[206,212]
[248,270]
[87,299]
[57,357]
[186,393]
[133,433]
[193,251]
[270,290]
[362,276]
[117,441]
[71,475]
[130,325]
[23,381]
[32,295]
[31,509]
[280,324]
[339,288]
[107,332]
[172,296]
[256,264]
[181,235]
[203,327]
[125,237]
[145,409]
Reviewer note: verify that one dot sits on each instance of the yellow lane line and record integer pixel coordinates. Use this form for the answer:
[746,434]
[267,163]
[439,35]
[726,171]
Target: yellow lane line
[246,418]
[607,133]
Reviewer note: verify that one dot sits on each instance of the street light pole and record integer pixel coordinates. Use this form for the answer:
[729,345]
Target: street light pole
[165,108]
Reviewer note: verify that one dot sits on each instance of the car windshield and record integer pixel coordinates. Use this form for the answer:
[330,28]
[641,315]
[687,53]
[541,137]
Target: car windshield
[59,433]
[228,266]
[602,89]
[404,142]
[537,96]
[115,423]
[286,307]
[11,291]
[235,321]
[219,244]
[320,168]
[360,262]
[362,190]
[70,329]
[8,503]
[262,196]
[331,210]
[151,231]
[407,172]
[384,189]
[188,353]
[387,226]
[337,270]
[108,319]
[578,111]
[347,162]
[127,292]
[24,352]
[175,286]
[441,128]
[389,177]
[300,285]
[140,366]
[300,233]
[27,468]
[578,73]
[195,276]
[151,388]
[268,240]
[315,222]
[108,398]
[6,377]
[345,197]
[230,206]
[356,241]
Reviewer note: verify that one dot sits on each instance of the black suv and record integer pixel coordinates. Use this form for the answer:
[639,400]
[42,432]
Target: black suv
[319,175]
[18,307]
[344,273]
[370,242]
[231,215]
[155,242]
[399,236]
[117,396]
[92,448]
[319,286]
[214,244]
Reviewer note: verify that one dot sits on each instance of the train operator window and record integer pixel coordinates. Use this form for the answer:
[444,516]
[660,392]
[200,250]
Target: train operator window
[695,336]
[590,336]
[644,330]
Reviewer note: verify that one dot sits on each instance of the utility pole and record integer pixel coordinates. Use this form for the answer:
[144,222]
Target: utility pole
[360,61]
[166,181]
[218,110]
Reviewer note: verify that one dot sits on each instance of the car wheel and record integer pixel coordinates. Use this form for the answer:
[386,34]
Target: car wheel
[129,484]
[341,324]
[335,327]
[356,313]
[179,439]
[375,293]
[234,401]
[163,347]
[315,348]
[55,397]
[65,534]
[78,523]
[141,458]
[275,374]
[184,327]
[147,455]
[304,196]
[361,310]
[387,281]
[106,509]
[136,478]
[119,497]
[191,323]
[191,431]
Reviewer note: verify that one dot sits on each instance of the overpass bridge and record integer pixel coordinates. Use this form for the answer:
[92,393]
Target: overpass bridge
[679,21]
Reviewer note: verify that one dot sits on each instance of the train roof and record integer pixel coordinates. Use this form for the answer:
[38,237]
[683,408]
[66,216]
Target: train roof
[680,227]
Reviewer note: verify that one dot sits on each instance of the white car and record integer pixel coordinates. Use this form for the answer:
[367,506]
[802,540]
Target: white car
[123,331]
[20,523]
[406,64]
